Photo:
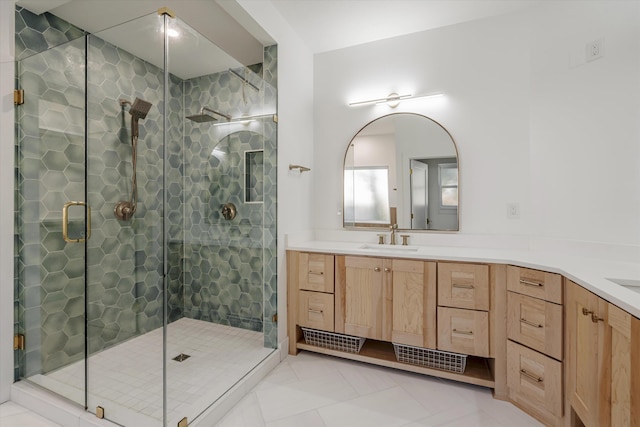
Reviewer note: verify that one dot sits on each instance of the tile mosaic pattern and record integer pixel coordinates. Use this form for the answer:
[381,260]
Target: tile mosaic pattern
[219,356]
[224,278]
[219,277]
[269,237]
[37,33]
[50,162]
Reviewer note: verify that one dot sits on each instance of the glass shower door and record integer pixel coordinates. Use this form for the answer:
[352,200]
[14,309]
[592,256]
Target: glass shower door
[50,219]
[125,255]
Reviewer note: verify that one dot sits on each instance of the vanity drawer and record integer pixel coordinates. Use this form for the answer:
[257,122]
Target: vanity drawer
[316,272]
[463,285]
[535,382]
[535,323]
[463,331]
[535,283]
[315,310]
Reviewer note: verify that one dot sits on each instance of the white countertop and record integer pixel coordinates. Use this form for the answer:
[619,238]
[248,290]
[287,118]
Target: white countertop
[591,273]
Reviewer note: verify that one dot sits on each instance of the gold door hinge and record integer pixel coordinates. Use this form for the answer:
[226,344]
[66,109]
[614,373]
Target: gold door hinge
[18,96]
[18,342]
[275,118]
[100,412]
[274,318]
[183,422]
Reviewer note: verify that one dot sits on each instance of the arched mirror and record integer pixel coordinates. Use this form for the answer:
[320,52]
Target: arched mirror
[401,169]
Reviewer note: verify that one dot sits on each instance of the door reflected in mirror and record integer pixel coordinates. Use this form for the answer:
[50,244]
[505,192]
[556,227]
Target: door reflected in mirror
[401,169]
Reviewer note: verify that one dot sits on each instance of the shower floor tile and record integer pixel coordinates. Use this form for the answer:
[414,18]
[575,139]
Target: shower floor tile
[127,381]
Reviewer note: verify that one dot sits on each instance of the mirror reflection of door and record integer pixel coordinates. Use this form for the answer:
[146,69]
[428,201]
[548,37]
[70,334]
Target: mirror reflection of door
[443,193]
[419,178]
[392,142]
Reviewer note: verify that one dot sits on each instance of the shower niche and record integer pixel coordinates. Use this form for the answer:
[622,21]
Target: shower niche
[137,134]
[254,176]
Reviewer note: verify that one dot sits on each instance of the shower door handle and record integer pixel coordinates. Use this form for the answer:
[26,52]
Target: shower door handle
[65,222]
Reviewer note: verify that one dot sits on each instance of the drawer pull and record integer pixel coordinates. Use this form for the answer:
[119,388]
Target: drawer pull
[458,285]
[387,270]
[316,272]
[530,376]
[529,283]
[455,331]
[586,312]
[311,310]
[376,269]
[535,325]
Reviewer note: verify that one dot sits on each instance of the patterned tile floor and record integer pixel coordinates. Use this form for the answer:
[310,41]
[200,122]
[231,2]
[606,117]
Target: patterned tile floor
[313,390]
[126,379]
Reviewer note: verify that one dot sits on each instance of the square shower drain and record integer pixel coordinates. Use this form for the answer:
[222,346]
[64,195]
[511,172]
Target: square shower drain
[181,357]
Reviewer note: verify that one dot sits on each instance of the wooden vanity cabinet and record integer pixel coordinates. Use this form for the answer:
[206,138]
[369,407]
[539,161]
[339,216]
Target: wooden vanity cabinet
[625,367]
[463,308]
[414,303]
[588,371]
[557,351]
[535,343]
[387,300]
[603,380]
[310,300]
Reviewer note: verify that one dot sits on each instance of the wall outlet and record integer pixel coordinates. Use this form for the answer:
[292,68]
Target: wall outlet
[513,210]
[594,50]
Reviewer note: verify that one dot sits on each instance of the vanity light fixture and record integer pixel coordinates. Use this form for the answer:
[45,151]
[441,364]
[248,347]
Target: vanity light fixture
[392,100]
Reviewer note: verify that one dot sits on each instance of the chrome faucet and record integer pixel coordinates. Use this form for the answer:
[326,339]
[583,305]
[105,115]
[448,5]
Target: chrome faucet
[392,235]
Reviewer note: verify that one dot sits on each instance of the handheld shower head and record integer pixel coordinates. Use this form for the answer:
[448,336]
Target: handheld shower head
[139,108]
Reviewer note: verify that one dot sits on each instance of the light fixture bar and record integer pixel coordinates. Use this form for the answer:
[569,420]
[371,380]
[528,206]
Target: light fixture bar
[393,99]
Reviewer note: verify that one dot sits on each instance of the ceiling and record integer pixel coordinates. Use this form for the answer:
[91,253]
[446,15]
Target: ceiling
[119,22]
[323,25]
[326,25]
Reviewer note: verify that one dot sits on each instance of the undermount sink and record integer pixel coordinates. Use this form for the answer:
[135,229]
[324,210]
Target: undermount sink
[390,248]
[630,284]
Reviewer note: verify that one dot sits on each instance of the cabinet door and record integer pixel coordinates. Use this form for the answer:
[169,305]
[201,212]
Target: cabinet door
[367,298]
[587,381]
[625,373]
[414,303]
[635,373]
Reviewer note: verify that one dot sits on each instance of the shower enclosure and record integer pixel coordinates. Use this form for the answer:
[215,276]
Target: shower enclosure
[139,295]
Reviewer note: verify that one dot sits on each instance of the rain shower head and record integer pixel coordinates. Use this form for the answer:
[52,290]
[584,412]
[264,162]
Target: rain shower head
[203,117]
[139,108]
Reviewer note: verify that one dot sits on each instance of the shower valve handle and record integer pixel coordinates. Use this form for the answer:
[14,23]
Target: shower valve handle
[124,210]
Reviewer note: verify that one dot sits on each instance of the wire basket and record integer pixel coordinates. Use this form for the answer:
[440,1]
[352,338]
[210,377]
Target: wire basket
[333,341]
[430,358]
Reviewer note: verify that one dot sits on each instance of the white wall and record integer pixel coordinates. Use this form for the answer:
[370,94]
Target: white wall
[295,136]
[585,124]
[7,68]
[562,142]
[485,78]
